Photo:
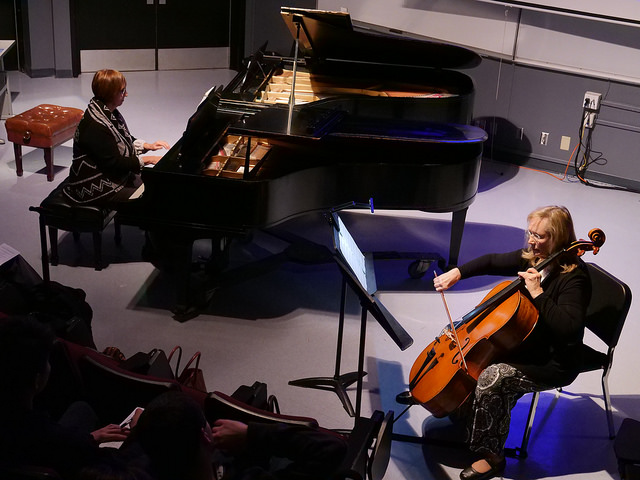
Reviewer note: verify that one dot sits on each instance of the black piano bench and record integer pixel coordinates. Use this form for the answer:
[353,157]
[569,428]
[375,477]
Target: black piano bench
[59,213]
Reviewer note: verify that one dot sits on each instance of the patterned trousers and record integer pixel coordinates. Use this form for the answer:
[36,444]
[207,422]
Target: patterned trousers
[489,411]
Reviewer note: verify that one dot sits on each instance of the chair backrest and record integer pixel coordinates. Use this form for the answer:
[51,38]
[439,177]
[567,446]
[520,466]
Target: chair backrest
[357,461]
[369,448]
[218,405]
[381,452]
[114,393]
[609,306]
[64,385]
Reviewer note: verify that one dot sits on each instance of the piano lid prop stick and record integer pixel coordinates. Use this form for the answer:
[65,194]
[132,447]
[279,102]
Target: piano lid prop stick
[292,97]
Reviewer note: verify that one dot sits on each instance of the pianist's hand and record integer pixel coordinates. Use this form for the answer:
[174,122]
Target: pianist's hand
[157,145]
[151,159]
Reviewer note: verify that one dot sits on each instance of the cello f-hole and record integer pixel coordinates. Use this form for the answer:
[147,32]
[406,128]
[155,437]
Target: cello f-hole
[456,357]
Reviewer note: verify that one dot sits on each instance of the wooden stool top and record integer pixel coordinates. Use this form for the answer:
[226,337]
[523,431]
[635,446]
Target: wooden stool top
[43,126]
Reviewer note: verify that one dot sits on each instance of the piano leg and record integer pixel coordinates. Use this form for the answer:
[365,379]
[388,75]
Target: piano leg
[196,281]
[457,229]
[184,308]
[171,252]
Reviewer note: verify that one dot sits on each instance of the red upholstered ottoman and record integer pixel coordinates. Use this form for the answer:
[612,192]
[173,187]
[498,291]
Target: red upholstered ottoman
[44,126]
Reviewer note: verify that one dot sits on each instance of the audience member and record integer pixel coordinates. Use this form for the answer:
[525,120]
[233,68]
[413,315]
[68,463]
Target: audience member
[28,436]
[113,468]
[180,444]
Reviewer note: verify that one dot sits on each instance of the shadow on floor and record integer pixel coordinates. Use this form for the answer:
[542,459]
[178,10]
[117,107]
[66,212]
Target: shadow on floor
[262,281]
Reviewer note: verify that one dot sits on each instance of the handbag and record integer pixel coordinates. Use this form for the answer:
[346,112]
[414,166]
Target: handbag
[192,376]
[256,396]
[153,363]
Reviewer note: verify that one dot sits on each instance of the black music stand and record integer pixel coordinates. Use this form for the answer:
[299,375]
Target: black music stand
[358,275]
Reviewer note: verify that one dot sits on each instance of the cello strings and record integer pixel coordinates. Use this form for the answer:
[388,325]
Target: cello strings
[452,327]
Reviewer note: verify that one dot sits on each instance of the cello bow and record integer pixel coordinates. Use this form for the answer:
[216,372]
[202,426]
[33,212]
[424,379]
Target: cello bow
[453,332]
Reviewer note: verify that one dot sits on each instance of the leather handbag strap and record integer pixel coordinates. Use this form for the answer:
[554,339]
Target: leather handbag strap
[175,349]
[195,358]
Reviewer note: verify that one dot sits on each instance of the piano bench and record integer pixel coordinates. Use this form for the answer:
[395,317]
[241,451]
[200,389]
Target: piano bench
[44,126]
[57,212]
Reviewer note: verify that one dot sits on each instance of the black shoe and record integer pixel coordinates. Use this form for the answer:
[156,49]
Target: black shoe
[470,474]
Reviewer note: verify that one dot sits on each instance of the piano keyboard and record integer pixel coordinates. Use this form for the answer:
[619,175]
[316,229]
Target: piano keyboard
[229,162]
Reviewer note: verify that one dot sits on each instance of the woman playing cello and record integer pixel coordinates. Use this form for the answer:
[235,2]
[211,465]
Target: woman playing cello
[548,357]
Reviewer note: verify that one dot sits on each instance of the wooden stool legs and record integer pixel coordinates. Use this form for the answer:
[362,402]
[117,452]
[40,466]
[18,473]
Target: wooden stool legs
[17,150]
[48,160]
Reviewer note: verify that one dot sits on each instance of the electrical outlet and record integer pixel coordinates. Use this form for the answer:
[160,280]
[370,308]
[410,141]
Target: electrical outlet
[590,120]
[592,101]
[544,138]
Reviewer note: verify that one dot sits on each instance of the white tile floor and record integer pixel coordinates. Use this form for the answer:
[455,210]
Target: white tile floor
[282,325]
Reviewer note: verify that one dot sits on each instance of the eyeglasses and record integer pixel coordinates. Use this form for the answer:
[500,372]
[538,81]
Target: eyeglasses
[123,91]
[535,235]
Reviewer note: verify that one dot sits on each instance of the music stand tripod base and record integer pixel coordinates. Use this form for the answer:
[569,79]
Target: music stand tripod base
[337,384]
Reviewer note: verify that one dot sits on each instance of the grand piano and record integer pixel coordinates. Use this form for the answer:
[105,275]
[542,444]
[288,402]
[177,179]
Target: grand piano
[373,114]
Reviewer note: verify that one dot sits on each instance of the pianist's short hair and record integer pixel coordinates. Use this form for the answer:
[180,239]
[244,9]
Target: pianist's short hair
[107,84]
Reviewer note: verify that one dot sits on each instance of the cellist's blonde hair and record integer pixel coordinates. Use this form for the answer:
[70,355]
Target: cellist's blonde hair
[561,235]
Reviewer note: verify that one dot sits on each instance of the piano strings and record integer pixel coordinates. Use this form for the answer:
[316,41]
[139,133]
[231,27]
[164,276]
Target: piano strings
[311,88]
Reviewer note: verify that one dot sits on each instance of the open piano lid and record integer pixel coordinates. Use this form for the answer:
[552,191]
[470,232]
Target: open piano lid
[329,37]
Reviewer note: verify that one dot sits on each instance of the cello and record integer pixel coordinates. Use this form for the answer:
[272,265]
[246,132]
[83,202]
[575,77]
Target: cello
[447,370]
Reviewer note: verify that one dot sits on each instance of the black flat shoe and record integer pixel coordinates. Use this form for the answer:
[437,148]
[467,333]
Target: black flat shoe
[470,473]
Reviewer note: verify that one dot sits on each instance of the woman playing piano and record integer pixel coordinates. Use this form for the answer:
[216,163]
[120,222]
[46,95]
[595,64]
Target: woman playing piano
[106,162]
[548,357]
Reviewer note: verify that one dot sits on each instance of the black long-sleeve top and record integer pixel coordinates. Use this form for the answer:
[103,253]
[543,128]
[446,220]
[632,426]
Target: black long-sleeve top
[97,141]
[311,454]
[552,352]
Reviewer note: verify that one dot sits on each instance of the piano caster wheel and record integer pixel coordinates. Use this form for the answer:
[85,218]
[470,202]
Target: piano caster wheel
[183,314]
[418,268]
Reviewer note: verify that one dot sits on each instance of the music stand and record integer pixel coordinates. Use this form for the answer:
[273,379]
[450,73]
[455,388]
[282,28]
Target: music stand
[359,275]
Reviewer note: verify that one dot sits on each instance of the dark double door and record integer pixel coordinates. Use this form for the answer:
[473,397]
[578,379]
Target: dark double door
[152,34]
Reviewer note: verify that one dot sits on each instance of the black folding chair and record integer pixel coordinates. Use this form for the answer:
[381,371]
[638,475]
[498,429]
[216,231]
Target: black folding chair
[606,314]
